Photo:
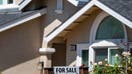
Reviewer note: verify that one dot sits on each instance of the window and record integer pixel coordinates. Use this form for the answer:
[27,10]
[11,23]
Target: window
[9,1]
[85,57]
[1,2]
[82,57]
[101,54]
[59,6]
[8,6]
[110,28]
[83,0]
[112,54]
[6,2]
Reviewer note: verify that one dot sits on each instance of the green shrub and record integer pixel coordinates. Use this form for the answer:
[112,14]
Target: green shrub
[124,67]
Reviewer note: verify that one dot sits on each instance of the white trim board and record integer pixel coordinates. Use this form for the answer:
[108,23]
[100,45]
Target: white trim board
[22,20]
[68,22]
[96,24]
[81,47]
[82,11]
[113,13]
[24,4]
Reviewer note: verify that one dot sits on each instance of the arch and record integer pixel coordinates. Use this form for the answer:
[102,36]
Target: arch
[102,43]
[96,24]
[110,28]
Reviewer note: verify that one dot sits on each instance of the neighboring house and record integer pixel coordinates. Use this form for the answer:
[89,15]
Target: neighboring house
[62,33]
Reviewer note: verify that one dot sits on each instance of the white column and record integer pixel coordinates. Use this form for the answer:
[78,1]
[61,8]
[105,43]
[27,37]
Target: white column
[91,58]
[46,56]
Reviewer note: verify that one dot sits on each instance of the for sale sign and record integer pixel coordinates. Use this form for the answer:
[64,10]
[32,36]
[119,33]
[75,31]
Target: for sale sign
[66,70]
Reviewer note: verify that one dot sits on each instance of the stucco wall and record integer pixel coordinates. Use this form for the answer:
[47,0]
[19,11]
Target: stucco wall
[19,48]
[80,34]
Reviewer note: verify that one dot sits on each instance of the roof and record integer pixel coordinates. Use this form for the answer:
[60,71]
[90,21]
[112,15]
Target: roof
[123,7]
[27,5]
[8,17]
[11,20]
[115,8]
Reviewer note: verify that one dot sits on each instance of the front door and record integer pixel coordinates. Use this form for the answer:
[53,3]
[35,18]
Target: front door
[59,57]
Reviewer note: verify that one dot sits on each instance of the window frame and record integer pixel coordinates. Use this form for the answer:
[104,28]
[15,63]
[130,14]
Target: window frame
[96,24]
[109,23]
[87,57]
[80,48]
[108,53]
[83,0]
[59,6]
[5,2]
[109,50]
[100,48]
[5,7]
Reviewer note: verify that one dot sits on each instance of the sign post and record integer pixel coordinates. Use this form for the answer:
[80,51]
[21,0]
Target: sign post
[66,70]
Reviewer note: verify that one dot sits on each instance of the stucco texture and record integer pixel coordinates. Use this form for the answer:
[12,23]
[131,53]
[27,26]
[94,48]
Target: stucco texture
[19,48]
[80,34]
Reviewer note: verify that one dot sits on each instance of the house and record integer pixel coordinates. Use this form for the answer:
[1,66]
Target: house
[37,34]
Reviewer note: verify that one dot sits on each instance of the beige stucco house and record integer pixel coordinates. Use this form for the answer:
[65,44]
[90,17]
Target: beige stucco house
[37,34]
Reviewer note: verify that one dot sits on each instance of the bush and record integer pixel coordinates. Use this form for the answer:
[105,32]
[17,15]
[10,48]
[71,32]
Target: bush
[124,67]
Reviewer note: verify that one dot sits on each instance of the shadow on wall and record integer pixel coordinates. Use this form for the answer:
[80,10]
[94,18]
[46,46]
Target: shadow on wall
[19,45]
[28,67]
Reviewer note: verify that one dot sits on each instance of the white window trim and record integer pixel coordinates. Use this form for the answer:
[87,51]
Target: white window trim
[5,2]
[80,47]
[102,43]
[59,9]
[108,55]
[76,2]
[5,5]
[83,0]
[111,48]
[96,24]
[82,11]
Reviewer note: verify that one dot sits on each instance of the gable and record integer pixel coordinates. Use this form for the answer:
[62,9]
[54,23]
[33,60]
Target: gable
[99,3]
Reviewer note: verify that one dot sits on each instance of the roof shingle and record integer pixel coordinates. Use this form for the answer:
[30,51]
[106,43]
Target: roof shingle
[123,7]
[9,17]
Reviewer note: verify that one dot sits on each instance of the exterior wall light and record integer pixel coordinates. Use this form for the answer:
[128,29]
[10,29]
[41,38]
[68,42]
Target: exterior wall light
[73,47]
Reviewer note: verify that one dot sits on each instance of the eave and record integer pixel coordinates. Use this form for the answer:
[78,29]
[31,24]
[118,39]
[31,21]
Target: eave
[23,19]
[87,7]
[24,4]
